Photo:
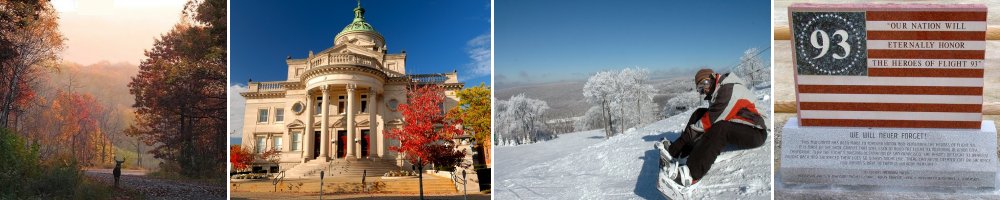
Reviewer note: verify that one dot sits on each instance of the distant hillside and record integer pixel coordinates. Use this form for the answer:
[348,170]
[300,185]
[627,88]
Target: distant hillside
[105,81]
[566,98]
[108,84]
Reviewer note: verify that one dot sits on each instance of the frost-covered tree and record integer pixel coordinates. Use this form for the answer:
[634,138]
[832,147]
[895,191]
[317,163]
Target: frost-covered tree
[624,98]
[520,120]
[682,102]
[754,71]
[640,94]
[591,119]
[601,90]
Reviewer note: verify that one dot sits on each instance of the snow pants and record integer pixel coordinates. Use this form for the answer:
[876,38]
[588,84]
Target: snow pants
[701,149]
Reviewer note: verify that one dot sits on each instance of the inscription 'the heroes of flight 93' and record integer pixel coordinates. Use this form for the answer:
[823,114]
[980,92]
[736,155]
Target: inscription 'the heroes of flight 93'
[888,65]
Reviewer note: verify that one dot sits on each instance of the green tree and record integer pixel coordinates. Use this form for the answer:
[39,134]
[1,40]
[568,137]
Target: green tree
[20,164]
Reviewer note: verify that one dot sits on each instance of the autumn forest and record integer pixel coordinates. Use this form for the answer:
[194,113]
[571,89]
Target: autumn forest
[63,125]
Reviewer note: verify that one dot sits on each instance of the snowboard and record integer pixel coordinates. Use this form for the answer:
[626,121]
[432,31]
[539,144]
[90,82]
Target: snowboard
[672,190]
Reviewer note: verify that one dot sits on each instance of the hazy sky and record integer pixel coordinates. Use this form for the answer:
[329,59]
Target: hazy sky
[114,30]
[540,41]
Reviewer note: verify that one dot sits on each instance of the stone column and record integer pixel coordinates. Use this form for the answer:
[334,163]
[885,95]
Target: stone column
[350,121]
[307,137]
[267,142]
[286,138]
[372,141]
[324,125]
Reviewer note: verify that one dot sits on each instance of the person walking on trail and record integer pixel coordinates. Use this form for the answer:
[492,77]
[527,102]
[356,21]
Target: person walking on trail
[730,119]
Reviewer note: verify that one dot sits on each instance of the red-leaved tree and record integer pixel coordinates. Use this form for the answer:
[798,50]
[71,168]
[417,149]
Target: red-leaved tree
[424,137]
[240,157]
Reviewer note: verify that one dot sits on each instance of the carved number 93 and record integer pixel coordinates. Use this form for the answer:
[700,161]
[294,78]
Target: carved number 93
[824,43]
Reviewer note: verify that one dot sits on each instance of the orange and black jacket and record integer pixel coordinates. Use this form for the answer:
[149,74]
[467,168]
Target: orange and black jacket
[731,101]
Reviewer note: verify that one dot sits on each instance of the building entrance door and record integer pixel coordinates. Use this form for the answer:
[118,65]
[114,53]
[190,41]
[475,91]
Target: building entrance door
[341,144]
[364,143]
[315,147]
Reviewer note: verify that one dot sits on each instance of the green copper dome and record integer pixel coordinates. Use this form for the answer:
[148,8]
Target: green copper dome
[359,24]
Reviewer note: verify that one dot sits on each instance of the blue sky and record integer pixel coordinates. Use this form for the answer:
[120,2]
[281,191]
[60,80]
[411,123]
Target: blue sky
[544,41]
[435,34]
[438,36]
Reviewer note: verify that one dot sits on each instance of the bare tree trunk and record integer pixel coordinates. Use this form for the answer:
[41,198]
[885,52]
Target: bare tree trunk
[421,174]
[606,113]
[138,151]
[12,93]
[104,150]
[638,111]
[621,110]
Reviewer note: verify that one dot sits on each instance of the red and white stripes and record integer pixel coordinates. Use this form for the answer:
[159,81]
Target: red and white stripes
[925,70]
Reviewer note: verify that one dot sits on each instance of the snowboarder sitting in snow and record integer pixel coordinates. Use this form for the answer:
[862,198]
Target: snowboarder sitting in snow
[731,118]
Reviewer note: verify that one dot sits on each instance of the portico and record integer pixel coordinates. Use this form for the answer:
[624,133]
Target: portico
[334,106]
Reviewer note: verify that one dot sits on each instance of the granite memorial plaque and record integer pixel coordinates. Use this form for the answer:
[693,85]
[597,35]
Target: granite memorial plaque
[889,95]
[889,156]
[889,65]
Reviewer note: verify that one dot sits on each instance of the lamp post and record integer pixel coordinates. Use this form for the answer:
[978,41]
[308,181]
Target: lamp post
[465,183]
[321,185]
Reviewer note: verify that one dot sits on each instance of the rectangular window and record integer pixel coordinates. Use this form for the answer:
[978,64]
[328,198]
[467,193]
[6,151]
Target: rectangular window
[364,103]
[319,105]
[296,140]
[341,108]
[277,143]
[298,71]
[262,115]
[261,144]
[279,114]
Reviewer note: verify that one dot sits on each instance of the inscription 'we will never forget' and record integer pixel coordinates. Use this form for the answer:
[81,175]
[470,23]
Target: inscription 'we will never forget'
[888,156]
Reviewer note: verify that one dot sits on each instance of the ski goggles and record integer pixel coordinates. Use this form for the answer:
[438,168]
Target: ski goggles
[704,86]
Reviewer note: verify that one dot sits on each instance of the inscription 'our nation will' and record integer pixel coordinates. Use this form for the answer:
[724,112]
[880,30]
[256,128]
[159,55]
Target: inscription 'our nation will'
[912,66]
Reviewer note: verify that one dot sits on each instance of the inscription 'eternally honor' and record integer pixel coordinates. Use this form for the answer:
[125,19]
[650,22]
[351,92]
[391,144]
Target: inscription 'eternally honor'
[924,45]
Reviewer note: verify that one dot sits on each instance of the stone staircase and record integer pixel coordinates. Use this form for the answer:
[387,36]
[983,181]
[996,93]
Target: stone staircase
[341,168]
[351,168]
[306,170]
[432,185]
[348,173]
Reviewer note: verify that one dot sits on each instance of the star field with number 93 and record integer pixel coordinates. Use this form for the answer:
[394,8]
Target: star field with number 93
[830,43]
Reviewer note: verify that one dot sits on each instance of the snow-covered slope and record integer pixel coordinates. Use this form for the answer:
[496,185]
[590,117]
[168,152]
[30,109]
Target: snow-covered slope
[583,165]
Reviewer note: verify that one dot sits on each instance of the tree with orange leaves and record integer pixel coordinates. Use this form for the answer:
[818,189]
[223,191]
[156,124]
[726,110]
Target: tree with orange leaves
[29,42]
[180,93]
[425,136]
[75,122]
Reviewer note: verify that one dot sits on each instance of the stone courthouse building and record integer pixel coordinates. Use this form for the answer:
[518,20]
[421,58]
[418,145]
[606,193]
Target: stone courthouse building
[337,104]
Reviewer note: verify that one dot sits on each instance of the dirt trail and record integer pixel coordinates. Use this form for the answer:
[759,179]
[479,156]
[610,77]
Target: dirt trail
[155,188]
